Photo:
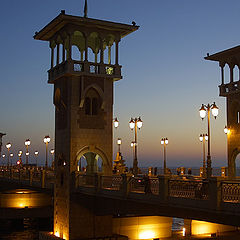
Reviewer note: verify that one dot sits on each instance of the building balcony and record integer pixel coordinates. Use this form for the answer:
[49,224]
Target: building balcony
[78,68]
[229,88]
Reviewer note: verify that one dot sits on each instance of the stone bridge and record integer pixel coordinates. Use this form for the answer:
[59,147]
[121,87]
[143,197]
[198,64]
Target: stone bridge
[214,200]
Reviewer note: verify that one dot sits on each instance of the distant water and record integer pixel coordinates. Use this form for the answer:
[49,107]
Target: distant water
[195,171]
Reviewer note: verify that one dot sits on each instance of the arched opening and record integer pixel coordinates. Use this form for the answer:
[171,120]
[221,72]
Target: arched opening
[94,44]
[76,55]
[92,102]
[82,164]
[99,163]
[227,73]
[108,49]
[237,164]
[90,163]
[235,73]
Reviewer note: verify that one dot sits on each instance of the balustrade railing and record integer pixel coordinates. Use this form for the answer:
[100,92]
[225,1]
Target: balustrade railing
[191,189]
[164,187]
[76,67]
[137,185]
[230,192]
[85,180]
[154,186]
[111,182]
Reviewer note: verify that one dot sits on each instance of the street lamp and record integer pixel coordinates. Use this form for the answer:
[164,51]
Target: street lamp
[36,155]
[3,156]
[20,157]
[135,124]
[8,145]
[203,138]
[164,142]
[46,140]
[11,156]
[202,112]
[27,143]
[119,142]
[52,152]
[226,130]
[115,122]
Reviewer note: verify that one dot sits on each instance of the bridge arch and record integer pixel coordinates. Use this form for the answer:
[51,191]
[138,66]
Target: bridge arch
[93,156]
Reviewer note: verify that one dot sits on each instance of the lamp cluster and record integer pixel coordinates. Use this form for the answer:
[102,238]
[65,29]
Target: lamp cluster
[27,144]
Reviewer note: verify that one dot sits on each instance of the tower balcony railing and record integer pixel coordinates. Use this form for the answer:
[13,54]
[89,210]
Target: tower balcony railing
[228,88]
[84,68]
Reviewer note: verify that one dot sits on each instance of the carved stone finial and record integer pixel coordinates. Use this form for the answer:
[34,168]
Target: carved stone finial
[85,9]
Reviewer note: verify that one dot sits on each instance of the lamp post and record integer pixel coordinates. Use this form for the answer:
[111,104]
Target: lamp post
[119,142]
[20,158]
[46,140]
[203,138]
[8,145]
[27,144]
[135,123]
[11,156]
[164,142]
[202,112]
[3,156]
[52,153]
[36,156]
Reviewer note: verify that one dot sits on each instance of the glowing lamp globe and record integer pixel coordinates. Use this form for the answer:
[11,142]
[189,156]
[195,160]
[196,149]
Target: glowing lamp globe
[27,142]
[131,124]
[8,145]
[46,139]
[214,110]
[206,137]
[116,122]
[139,123]
[202,112]
[119,141]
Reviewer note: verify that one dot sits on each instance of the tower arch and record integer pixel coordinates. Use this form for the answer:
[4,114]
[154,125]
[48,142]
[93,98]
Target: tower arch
[93,155]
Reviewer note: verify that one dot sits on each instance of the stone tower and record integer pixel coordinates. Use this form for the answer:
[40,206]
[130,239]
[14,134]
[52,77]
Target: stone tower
[230,88]
[84,66]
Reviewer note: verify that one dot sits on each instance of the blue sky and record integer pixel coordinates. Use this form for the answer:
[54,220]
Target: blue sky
[165,77]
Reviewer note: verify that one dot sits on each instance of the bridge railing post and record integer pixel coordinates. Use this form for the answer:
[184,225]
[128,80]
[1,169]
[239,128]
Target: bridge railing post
[19,175]
[163,187]
[214,191]
[125,186]
[11,173]
[43,178]
[97,182]
[30,176]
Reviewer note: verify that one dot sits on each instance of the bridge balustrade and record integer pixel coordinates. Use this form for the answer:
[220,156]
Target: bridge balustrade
[136,184]
[212,194]
[230,192]
[111,182]
[83,180]
[191,189]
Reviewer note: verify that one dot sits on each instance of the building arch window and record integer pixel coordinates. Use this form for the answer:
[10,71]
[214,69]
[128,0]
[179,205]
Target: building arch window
[92,102]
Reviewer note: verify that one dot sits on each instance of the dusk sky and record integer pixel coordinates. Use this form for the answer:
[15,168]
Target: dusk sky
[165,77]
